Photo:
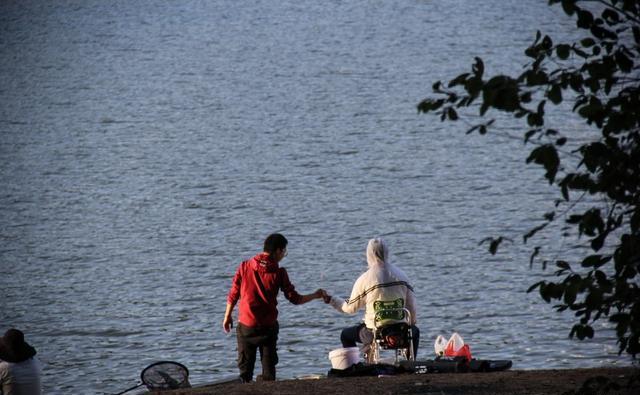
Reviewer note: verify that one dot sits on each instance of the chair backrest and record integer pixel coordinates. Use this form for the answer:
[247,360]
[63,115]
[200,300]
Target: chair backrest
[392,324]
[390,312]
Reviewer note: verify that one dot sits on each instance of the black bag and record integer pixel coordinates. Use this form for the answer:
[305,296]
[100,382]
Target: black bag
[361,369]
[454,365]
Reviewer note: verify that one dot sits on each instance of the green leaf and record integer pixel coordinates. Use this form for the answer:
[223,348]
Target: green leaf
[569,6]
[598,242]
[478,67]
[501,92]
[453,115]
[547,156]
[594,299]
[570,294]
[595,261]
[545,292]
[493,243]
[592,221]
[535,253]
[534,286]
[555,94]
[595,155]
[536,78]
[534,120]
[591,260]
[585,19]
[581,331]
[601,278]
[611,17]
[428,105]
[602,33]
[588,42]
[529,134]
[635,221]
[589,332]
[563,51]
[459,80]
[533,231]
[624,63]
[540,109]
[473,129]
[575,82]
[564,188]
[473,87]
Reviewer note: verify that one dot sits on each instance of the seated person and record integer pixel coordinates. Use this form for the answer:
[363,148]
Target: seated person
[20,371]
[383,284]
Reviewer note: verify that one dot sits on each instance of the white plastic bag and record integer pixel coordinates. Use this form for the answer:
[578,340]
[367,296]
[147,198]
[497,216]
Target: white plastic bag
[440,345]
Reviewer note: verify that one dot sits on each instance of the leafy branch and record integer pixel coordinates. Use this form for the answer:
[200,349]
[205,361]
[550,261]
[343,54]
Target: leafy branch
[600,77]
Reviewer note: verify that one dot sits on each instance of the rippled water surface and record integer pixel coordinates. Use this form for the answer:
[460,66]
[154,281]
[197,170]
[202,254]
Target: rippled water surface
[147,148]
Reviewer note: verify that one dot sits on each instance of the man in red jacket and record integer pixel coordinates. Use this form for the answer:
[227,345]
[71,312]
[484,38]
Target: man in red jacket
[256,284]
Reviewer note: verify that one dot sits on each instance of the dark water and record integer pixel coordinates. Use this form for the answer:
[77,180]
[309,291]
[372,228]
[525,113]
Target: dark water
[147,148]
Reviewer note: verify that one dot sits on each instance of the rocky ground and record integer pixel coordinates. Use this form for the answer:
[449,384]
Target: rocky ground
[524,382]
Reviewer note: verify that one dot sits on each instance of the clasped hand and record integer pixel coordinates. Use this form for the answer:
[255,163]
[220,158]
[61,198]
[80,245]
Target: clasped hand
[321,293]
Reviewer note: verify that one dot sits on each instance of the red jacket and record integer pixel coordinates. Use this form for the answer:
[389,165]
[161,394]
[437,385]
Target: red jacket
[256,284]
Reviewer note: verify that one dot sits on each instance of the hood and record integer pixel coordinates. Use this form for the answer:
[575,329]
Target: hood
[263,263]
[377,253]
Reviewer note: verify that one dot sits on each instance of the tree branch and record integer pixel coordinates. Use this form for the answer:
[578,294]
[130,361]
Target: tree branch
[620,10]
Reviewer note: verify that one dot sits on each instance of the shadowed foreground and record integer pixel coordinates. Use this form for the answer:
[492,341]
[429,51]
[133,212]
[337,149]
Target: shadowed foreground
[527,382]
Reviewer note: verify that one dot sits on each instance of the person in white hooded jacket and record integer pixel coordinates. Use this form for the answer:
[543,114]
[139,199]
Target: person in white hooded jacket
[383,281]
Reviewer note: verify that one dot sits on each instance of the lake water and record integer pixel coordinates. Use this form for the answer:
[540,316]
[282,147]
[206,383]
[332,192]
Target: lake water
[147,148]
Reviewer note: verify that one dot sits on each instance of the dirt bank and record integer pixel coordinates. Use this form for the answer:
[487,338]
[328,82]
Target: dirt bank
[524,382]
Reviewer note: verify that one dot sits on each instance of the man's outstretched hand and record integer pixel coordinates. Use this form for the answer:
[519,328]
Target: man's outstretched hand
[324,295]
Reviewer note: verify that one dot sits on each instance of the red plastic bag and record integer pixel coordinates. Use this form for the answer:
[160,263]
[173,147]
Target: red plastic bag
[456,348]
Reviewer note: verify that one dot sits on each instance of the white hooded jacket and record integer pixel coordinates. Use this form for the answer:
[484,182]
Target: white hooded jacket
[382,282]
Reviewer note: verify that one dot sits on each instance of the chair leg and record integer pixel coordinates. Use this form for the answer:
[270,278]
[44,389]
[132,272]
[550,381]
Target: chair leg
[412,357]
[368,351]
[375,354]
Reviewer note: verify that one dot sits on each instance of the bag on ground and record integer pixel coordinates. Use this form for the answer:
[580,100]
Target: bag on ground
[456,348]
[439,345]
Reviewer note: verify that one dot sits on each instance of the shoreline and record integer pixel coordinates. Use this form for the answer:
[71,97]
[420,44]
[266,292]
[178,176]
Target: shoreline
[526,382]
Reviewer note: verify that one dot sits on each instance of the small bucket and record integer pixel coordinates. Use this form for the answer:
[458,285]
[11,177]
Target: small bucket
[343,358]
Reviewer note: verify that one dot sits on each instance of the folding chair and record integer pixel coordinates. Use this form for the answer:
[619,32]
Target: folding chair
[392,331]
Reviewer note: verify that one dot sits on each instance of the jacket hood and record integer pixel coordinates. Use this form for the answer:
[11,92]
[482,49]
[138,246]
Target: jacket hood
[264,263]
[377,253]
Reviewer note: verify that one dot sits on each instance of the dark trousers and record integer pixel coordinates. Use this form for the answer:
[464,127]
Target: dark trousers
[252,339]
[353,334]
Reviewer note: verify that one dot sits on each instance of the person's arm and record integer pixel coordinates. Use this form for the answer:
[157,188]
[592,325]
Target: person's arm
[308,298]
[289,290]
[227,322]
[357,300]
[232,299]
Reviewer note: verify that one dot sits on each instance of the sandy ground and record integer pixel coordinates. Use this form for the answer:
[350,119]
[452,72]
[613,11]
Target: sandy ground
[526,382]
